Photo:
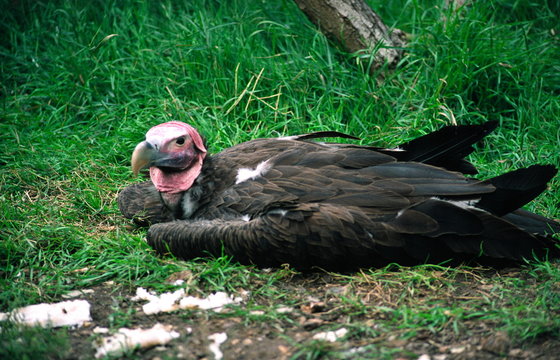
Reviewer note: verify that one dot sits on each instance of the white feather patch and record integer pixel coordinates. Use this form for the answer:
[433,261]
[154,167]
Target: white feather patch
[244,174]
[397,149]
[293,137]
[280,212]
[463,204]
[189,205]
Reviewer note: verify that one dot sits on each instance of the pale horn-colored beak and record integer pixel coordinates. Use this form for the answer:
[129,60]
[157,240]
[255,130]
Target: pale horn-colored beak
[143,155]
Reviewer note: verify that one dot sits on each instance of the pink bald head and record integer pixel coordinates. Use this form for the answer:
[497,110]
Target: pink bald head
[174,151]
[172,130]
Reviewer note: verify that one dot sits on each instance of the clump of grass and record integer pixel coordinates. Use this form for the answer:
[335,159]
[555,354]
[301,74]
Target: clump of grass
[23,342]
[528,315]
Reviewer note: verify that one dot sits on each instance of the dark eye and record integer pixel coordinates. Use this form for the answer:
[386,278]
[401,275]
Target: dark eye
[180,141]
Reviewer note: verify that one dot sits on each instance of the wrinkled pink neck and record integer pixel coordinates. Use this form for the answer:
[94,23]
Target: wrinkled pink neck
[176,182]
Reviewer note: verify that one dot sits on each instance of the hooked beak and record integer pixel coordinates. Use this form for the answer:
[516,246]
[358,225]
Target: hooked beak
[142,157]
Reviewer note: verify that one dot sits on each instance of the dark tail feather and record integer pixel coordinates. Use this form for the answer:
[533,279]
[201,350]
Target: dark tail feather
[533,223]
[499,242]
[503,240]
[446,147]
[436,230]
[516,188]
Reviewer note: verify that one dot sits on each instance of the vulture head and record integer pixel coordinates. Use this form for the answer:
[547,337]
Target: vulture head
[174,153]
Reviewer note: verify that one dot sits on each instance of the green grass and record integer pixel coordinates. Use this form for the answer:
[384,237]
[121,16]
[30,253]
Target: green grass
[22,342]
[81,82]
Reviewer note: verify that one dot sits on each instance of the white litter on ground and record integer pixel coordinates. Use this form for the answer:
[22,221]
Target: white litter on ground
[176,300]
[215,301]
[217,340]
[165,302]
[129,339]
[76,293]
[65,313]
[331,336]
[100,330]
[284,309]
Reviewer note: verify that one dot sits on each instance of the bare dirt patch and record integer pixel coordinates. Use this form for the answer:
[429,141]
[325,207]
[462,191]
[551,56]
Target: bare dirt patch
[284,323]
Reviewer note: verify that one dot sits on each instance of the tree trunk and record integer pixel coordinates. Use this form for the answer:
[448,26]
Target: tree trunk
[354,25]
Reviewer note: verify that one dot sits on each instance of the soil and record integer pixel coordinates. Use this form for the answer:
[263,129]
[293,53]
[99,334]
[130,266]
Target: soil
[322,306]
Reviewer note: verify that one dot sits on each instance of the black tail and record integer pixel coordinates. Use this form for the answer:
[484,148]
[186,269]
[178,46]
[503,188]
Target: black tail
[516,188]
[445,147]
[533,223]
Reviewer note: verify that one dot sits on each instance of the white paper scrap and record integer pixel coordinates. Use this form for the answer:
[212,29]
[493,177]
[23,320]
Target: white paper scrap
[65,313]
[217,340]
[76,293]
[331,336]
[172,301]
[129,339]
[165,302]
[215,301]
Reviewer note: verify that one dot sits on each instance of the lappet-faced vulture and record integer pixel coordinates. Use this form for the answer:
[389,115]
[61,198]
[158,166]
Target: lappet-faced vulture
[294,201]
